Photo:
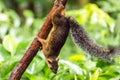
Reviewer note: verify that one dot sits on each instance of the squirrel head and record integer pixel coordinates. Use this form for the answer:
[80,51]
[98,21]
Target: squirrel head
[53,64]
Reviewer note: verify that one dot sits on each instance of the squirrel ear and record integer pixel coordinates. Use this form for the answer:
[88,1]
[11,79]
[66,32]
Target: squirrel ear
[49,60]
[57,59]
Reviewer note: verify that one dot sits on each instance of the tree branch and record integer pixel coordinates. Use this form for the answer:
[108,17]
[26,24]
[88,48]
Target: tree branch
[34,47]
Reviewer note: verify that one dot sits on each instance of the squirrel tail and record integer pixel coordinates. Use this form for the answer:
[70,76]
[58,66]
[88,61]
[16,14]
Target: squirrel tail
[81,38]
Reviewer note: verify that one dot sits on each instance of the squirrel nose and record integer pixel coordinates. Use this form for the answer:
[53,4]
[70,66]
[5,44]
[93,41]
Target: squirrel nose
[53,70]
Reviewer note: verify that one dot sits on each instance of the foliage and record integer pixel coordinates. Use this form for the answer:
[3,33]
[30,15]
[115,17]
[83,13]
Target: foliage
[38,7]
[74,64]
[110,6]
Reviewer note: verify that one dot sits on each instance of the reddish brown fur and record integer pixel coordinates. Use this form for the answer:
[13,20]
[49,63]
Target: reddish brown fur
[53,45]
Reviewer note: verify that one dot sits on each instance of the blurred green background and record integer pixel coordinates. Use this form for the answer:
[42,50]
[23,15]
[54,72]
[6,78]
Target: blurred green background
[20,21]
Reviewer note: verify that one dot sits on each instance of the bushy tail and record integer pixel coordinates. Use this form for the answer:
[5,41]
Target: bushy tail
[82,39]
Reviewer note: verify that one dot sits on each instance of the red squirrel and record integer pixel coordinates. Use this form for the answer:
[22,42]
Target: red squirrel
[52,46]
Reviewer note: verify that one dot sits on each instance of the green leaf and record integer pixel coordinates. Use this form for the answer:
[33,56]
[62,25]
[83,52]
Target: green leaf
[95,75]
[28,13]
[22,46]
[117,25]
[75,68]
[4,53]
[1,59]
[6,67]
[90,65]
[36,66]
[10,43]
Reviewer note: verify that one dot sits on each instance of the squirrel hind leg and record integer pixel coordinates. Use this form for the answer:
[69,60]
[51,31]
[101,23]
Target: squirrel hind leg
[42,41]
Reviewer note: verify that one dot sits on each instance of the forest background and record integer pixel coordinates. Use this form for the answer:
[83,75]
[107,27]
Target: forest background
[21,20]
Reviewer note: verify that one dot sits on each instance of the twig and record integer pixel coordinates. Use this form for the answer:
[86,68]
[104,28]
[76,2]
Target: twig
[34,47]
